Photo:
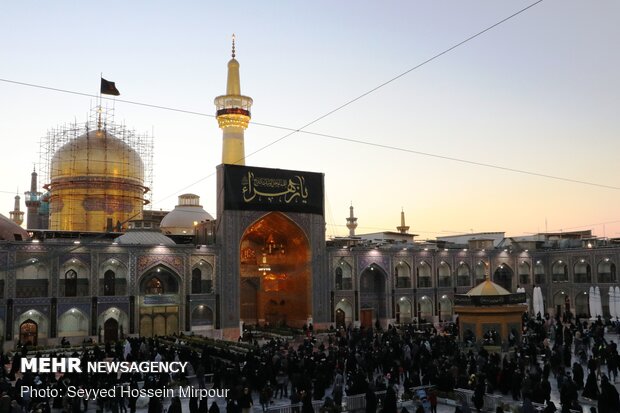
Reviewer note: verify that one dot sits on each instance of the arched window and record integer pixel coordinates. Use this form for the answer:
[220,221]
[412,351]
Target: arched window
[196,281]
[108,283]
[480,271]
[403,275]
[583,272]
[423,272]
[445,309]
[559,271]
[463,275]
[524,273]
[606,271]
[444,278]
[425,309]
[70,283]
[539,273]
[338,278]
[343,276]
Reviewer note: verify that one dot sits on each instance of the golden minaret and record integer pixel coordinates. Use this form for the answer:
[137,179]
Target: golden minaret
[233,115]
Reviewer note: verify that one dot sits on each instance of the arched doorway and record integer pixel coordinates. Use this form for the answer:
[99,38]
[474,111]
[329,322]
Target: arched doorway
[28,333]
[559,303]
[202,317]
[582,305]
[159,302]
[373,301]
[73,323]
[425,310]
[110,330]
[403,311]
[503,276]
[340,323]
[344,313]
[445,309]
[275,273]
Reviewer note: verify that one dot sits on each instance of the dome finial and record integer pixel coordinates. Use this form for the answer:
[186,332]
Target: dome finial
[233,46]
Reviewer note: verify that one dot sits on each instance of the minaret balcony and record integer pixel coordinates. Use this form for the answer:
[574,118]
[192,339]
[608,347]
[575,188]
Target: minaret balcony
[233,104]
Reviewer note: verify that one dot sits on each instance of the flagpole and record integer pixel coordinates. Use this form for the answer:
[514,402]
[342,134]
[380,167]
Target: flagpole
[99,109]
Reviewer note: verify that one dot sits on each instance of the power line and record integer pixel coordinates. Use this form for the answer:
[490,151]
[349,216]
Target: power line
[301,129]
[374,89]
[466,161]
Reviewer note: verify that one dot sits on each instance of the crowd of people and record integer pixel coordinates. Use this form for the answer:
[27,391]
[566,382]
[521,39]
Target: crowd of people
[578,356]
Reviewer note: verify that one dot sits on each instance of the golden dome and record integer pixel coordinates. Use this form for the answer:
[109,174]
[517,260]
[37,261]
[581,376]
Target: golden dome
[97,154]
[96,184]
[488,287]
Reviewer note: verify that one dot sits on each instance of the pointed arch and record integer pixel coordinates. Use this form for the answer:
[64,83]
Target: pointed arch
[423,274]
[404,311]
[343,313]
[606,271]
[425,309]
[582,305]
[159,279]
[559,271]
[202,317]
[559,302]
[112,278]
[343,276]
[444,275]
[32,280]
[202,278]
[463,275]
[445,309]
[503,276]
[275,272]
[73,323]
[481,269]
[582,272]
[120,322]
[33,315]
[402,271]
[539,273]
[74,279]
[373,287]
[524,273]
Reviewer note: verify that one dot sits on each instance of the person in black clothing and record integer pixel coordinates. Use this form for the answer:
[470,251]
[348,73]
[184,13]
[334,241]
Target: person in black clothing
[591,390]
[155,405]
[578,375]
[478,397]
[608,402]
[306,402]
[371,400]
[245,401]
[175,405]
[390,401]
[214,408]
[193,404]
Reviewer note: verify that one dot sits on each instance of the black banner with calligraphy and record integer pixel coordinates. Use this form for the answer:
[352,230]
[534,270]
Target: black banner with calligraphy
[263,189]
[476,300]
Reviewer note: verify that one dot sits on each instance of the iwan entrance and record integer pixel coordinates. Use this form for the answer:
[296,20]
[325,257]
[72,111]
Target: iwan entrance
[275,273]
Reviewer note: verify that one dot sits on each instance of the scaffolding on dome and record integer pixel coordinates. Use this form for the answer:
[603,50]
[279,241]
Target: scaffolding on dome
[139,149]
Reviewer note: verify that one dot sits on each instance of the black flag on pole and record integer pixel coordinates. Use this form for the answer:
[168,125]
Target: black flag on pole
[108,88]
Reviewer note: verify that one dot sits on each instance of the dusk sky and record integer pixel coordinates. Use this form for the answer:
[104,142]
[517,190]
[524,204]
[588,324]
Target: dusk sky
[539,93]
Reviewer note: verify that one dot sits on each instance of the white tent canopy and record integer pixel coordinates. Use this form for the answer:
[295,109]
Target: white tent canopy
[537,301]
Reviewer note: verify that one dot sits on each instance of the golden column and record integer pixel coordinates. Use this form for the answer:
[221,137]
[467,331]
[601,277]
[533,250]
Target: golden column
[233,115]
